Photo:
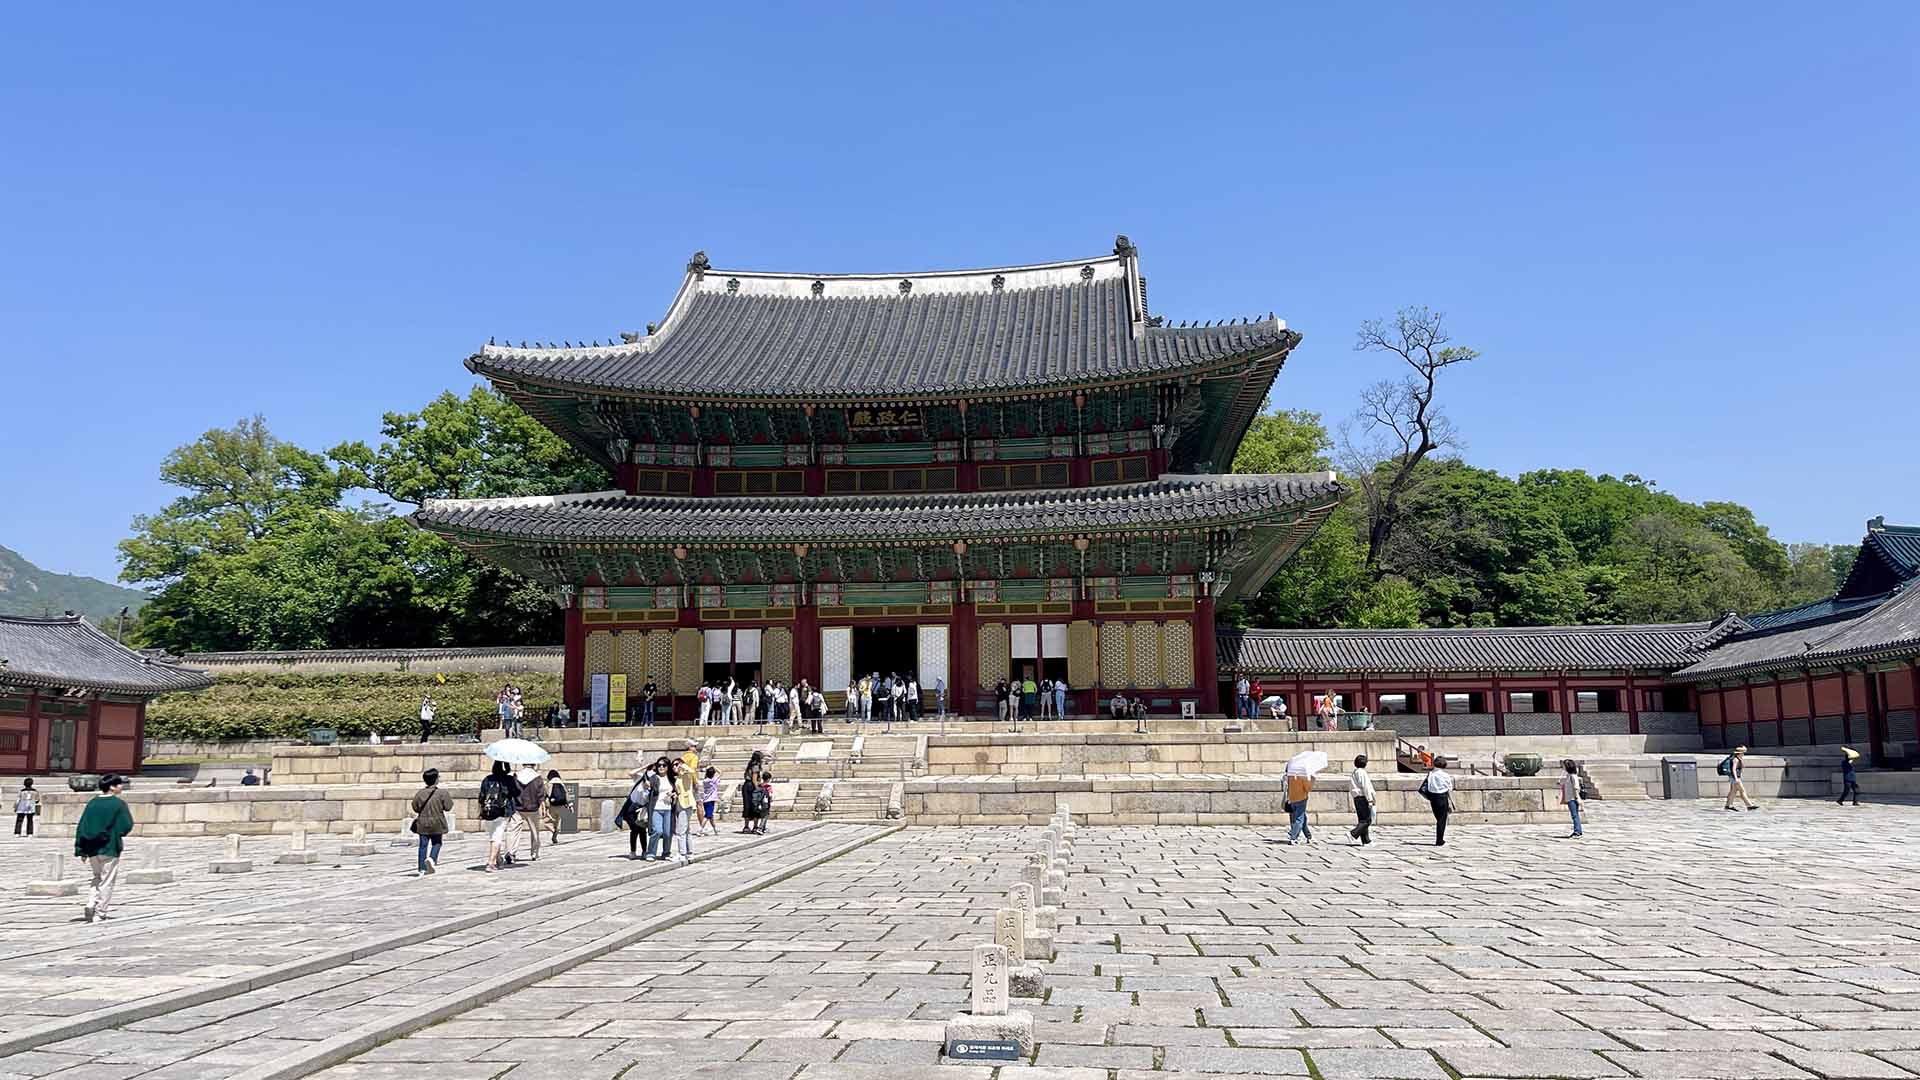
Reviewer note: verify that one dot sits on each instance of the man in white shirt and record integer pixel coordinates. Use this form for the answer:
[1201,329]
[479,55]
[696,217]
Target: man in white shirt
[1570,795]
[1361,787]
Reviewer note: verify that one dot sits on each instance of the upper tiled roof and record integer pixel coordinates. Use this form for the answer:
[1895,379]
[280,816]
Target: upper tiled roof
[615,517]
[1659,647]
[72,652]
[1889,555]
[750,334]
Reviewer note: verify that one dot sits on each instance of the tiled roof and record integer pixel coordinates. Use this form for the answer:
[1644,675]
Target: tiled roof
[72,652]
[1889,555]
[748,334]
[616,517]
[1661,647]
[1816,612]
[1882,627]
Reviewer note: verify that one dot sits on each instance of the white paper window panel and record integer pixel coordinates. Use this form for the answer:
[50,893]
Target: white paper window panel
[746,646]
[1053,641]
[719,646]
[933,656]
[836,656]
[1026,641]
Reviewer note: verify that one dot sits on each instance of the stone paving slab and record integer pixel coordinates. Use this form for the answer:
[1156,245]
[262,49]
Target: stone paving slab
[1673,941]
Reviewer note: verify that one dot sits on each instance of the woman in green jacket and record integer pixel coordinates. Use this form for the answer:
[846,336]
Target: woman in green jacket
[430,808]
[96,838]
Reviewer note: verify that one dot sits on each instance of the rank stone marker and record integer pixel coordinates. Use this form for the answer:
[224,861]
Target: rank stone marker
[152,873]
[56,883]
[298,854]
[1010,930]
[991,1021]
[359,845]
[232,863]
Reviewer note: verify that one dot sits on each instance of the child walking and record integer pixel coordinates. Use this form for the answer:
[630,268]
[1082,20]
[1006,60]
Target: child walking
[709,799]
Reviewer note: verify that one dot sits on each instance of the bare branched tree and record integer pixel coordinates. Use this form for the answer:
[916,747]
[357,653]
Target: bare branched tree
[1398,425]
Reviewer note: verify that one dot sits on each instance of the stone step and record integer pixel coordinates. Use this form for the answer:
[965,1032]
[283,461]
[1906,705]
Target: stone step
[1611,781]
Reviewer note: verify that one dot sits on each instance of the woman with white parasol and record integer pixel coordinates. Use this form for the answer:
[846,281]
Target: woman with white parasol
[1300,773]
[500,793]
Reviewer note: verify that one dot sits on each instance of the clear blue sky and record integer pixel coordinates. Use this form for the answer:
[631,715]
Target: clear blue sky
[1684,237]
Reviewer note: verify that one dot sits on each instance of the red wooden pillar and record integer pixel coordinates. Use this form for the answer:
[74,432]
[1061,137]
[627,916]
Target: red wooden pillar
[1780,710]
[1499,707]
[39,737]
[1752,724]
[1813,714]
[963,672]
[806,646]
[1846,707]
[1566,707]
[1433,708]
[139,735]
[1633,706]
[573,663]
[1913,675]
[1206,655]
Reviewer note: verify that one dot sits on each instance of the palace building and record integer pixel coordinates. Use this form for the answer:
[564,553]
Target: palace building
[967,475]
[986,474]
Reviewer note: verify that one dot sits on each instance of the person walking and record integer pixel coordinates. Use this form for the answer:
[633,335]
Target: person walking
[633,814]
[426,716]
[1299,790]
[1570,795]
[685,787]
[97,838]
[26,807]
[710,800]
[1849,779]
[498,796]
[1242,698]
[660,802]
[556,802]
[1360,785]
[1328,712]
[531,802]
[750,793]
[1733,767]
[766,801]
[430,809]
[1438,788]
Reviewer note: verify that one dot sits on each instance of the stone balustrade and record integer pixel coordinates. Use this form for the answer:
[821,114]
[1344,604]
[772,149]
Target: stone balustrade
[1106,754]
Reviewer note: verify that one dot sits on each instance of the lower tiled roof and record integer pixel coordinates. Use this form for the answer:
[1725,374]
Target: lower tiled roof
[616,517]
[1885,627]
[70,652]
[1656,647]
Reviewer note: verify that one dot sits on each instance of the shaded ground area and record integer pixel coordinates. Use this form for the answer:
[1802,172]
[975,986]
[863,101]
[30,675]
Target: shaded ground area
[1674,941]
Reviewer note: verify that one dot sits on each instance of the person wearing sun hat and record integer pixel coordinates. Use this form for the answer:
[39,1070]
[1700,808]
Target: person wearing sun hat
[1732,768]
[1849,780]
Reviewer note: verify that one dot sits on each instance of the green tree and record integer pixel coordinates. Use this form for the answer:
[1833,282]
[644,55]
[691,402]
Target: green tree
[476,447]
[237,481]
[1284,441]
[1675,571]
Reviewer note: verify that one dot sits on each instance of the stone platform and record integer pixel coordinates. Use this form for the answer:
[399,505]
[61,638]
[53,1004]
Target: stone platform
[1056,753]
[1216,799]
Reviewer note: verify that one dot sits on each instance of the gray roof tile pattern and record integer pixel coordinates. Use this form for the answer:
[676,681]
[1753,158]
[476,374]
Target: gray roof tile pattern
[615,517]
[1889,554]
[1887,628]
[1660,647]
[72,652]
[948,334]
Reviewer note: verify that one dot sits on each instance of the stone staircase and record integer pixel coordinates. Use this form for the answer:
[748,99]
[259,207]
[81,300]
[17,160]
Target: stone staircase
[1611,781]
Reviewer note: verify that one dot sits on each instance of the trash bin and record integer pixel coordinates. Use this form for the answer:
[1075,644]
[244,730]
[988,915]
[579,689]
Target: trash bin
[1680,778]
[568,816]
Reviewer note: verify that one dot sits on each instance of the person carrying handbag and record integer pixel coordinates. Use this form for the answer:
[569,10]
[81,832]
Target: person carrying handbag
[430,809]
[1438,788]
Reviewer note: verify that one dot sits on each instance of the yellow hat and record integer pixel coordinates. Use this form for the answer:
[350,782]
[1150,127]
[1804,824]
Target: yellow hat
[1739,749]
[1852,754]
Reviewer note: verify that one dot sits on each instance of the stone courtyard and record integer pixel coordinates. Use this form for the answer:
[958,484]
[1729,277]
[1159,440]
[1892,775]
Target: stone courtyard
[1674,941]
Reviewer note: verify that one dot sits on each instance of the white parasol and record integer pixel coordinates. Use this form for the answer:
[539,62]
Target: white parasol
[517,752]
[1307,763]
[1271,700]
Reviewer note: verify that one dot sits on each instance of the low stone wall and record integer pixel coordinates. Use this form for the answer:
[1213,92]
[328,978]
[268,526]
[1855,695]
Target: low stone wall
[255,811]
[403,763]
[1216,800]
[1077,754]
[231,748]
[504,660]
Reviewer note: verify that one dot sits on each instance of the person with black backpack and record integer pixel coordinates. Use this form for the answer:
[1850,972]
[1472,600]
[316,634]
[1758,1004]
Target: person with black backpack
[632,816]
[1732,767]
[499,794]
[556,802]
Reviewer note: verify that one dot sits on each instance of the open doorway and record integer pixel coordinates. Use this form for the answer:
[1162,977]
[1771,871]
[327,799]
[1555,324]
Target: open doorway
[886,650]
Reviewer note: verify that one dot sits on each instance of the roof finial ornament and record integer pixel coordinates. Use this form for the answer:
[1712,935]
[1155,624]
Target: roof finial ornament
[489,339]
[1877,523]
[818,287]
[906,286]
[629,337]
[1124,248]
[523,343]
[999,283]
[698,264]
[1086,273]
[733,285]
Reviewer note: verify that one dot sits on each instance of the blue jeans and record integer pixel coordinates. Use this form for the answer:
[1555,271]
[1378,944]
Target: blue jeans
[1297,821]
[662,825]
[429,849]
[1574,809]
[646,713]
[1246,708]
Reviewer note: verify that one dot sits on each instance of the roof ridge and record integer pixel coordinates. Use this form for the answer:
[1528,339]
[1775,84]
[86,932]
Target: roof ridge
[1479,631]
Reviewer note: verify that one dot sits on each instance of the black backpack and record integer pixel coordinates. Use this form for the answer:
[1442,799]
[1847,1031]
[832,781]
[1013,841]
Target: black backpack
[556,795]
[495,802]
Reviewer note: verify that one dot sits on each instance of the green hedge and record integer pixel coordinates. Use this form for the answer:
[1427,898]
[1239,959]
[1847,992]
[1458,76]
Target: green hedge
[262,705]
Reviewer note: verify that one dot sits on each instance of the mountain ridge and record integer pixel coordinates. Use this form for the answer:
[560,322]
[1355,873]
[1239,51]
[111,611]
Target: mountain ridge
[26,589]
